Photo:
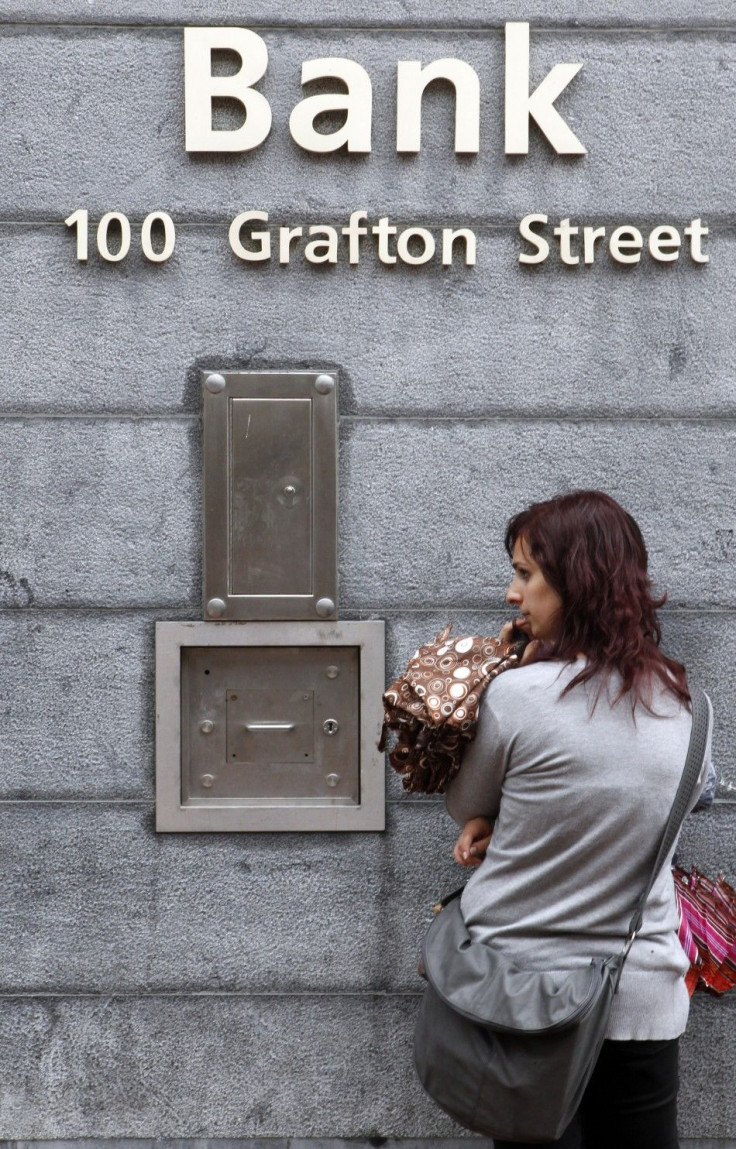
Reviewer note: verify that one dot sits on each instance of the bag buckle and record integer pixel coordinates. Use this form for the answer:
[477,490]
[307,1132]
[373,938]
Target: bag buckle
[629,943]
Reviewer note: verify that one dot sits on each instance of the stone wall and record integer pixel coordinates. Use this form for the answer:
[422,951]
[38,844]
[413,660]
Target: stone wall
[263,986]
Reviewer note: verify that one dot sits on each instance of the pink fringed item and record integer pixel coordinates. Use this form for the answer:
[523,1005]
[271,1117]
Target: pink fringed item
[707,929]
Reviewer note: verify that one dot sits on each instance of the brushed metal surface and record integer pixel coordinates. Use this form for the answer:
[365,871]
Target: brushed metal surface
[270,495]
[270,469]
[263,691]
[269,707]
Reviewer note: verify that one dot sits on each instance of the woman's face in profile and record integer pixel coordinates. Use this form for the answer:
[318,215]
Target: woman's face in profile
[529,592]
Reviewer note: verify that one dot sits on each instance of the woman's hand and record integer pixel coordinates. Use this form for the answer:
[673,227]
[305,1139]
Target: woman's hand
[532,648]
[470,848]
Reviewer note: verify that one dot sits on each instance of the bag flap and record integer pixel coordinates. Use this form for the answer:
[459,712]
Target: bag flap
[485,986]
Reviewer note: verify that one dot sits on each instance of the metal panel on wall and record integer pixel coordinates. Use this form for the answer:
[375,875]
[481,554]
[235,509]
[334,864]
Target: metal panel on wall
[270,495]
[274,723]
[269,726]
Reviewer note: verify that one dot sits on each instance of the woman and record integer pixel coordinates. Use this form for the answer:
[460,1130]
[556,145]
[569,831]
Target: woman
[565,792]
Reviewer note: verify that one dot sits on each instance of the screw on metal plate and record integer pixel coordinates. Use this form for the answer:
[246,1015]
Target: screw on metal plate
[325,607]
[332,671]
[330,726]
[324,384]
[206,726]
[289,490]
[332,779]
[207,780]
[215,383]
[216,608]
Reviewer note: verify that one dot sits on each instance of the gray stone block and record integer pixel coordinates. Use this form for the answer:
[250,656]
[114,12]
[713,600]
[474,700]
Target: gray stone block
[332,1066]
[100,512]
[96,903]
[494,339]
[211,1066]
[708,841]
[77,699]
[424,504]
[385,13]
[114,520]
[706,644]
[108,133]
[707,1054]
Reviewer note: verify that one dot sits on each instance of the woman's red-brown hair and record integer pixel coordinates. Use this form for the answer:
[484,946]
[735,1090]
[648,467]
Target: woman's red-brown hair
[592,554]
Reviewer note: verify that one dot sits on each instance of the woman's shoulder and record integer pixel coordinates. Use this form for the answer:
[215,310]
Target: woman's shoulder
[543,683]
[535,678]
[523,678]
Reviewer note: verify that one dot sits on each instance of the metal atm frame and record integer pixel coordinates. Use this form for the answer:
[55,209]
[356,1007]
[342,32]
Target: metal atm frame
[268,716]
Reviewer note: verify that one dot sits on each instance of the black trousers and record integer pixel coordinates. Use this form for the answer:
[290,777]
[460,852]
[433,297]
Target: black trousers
[630,1101]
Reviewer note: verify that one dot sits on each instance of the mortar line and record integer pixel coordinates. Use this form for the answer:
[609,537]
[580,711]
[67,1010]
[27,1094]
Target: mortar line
[96,995]
[151,802]
[725,221]
[128,416]
[189,613]
[182,613]
[496,27]
[78,802]
[502,606]
[132,994]
[441,418]
[525,420]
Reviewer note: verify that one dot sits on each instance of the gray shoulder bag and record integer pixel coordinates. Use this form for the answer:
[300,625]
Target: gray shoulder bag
[508,1052]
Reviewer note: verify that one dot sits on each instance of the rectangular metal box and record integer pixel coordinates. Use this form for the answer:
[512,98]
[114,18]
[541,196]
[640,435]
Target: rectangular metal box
[270,494]
[269,726]
[270,722]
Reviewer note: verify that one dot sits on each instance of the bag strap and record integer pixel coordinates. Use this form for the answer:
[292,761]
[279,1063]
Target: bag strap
[702,716]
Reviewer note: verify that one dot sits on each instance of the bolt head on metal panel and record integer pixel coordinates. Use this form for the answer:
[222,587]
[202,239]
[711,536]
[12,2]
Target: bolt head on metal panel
[216,608]
[332,779]
[332,671]
[206,726]
[324,384]
[325,607]
[207,780]
[215,383]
